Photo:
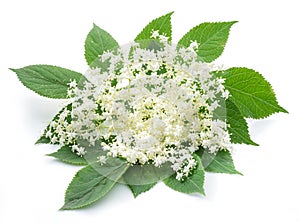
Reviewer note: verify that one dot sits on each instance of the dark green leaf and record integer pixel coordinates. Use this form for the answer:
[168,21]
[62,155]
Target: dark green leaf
[138,189]
[193,184]
[161,24]
[43,140]
[66,155]
[97,42]
[112,165]
[88,186]
[141,178]
[237,125]
[147,174]
[211,38]
[251,93]
[46,80]
[219,163]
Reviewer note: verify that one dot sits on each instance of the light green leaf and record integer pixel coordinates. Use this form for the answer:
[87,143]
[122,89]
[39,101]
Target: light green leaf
[219,163]
[66,155]
[161,24]
[88,186]
[251,93]
[46,80]
[211,38]
[97,42]
[138,189]
[43,139]
[238,127]
[193,184]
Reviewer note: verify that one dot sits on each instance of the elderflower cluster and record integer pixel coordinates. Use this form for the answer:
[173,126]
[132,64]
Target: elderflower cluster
[60,130]
[148,105]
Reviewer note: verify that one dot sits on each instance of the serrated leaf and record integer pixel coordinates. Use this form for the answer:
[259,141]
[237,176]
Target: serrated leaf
[237,125]
[138,189]
[43,139]
[88,186]
[66,155]
[111,166]
[97,42]
[193,184]
[147,174]
[211,39]
[251,93]
[141,178]
[219,163]
[46,80]
[161,24]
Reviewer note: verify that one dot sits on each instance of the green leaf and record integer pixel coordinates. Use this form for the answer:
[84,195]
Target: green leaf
[219,163]
[43,139]
[112,165]
[46,80]
[88,186]
[66,155]
[147,174]
[138,189]
[193,184]
[211,39]
[251,93]
[141,178]
[97,42]
[238,127]
[161,24]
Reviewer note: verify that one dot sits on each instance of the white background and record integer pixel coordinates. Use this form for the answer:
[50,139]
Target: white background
[266,39]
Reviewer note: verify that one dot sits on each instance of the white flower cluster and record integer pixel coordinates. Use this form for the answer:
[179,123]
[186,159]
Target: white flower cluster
[60,130]
[151,104]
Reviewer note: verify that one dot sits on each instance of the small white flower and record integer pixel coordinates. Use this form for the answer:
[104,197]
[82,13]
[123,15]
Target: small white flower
[48,134]
[225,94]
[179,176]
[53,140]
[101,159]
[73,84]
[81,151]
[53,124]
[74,148]
[194,44]
[155,34]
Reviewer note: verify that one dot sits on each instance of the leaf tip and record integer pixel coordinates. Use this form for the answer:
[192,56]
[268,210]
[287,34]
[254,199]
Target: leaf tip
[38,142]
[64,208]
[94,25]
[42,140]
[254,143]
[202,193]
[283,110]
[170,13]
[135,195]
[239,173]
[13,69]
[50,154]
[231,23]
[67,207]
